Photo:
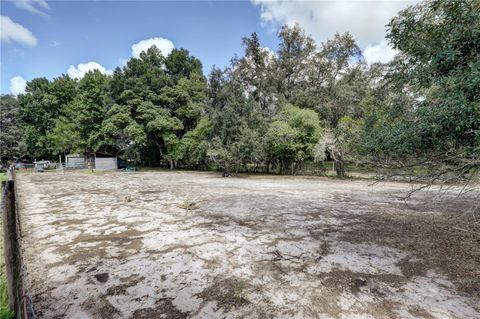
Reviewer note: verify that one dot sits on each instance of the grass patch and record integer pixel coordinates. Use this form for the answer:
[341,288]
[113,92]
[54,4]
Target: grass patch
[4,311]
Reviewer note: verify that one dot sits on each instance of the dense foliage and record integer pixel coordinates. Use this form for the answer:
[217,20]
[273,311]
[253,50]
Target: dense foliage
[432,110]
[10,133]
[269,110]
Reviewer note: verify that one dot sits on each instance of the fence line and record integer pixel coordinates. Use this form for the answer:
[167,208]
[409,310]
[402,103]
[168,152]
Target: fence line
[19,298]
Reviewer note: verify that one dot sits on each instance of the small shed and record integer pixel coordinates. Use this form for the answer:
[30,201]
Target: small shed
[75,161]
[93,160]
[102,161]
[106,163]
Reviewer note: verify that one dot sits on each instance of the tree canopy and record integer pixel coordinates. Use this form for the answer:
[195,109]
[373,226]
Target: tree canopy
[303,103]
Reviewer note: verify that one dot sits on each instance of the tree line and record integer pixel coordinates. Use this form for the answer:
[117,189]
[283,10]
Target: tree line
[274,111]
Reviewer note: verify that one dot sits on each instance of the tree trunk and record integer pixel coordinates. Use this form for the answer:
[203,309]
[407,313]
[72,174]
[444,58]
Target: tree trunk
[339,168]
[160,154]
[171,164]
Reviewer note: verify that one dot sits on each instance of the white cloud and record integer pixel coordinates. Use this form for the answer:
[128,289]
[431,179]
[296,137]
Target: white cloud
[11,31]
[81,69]
[164,45]
[34,6]
[17,85]
[381,52]
[365,20]
[271,55]
[269,51]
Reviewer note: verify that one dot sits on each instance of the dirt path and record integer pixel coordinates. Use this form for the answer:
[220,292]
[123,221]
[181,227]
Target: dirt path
[122,245]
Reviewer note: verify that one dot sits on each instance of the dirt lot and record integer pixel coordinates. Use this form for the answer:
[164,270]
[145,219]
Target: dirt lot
[186,244]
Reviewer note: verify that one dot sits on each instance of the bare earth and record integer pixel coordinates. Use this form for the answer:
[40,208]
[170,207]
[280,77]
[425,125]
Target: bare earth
[194,245]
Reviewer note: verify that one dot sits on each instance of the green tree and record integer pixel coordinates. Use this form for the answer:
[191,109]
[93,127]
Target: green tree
[194,145]
[339,81]
[164,97]
[86,112]
[142,77]
[238,122]
[180,64]
[162,128]
[342,144]
[255,72]
[11,146]
[292,137]
[438,65]
[121,134]
[39,108]
[294,58]
[64,137]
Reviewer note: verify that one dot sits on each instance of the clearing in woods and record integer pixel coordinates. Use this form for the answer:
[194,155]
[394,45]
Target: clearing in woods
[187,244]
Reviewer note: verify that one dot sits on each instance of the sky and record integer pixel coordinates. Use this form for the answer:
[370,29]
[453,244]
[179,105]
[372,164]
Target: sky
[40,38]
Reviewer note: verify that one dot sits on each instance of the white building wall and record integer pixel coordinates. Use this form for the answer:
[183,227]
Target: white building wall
[105,163]
[75,161]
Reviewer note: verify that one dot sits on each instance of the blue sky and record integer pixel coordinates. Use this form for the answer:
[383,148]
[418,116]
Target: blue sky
[41,38]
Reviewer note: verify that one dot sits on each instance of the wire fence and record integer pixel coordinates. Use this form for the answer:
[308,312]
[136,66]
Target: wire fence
[20,300]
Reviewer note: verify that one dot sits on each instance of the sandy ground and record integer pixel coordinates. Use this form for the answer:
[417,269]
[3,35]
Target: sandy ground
[195,245]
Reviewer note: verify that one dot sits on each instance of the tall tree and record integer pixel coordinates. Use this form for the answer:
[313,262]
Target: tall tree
[39,108]
[438,65]
[338,81]
[86,112]
[255,71]
[180,64]
[121,134]
[164,97]
[11,146]
[294,53]
[292,137]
